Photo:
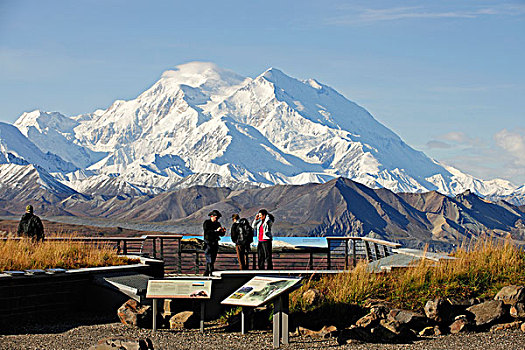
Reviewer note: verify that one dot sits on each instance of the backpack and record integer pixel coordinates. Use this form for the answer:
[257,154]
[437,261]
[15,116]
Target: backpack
[33,227]
[247,231]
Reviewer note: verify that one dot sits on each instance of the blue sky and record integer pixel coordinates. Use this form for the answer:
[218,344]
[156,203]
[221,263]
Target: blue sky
[447,76]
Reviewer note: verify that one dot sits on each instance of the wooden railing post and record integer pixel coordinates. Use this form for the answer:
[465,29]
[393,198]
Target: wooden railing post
[376,248]
[346,254]
[354,253]
[328,257]
[154,243]
[311,261]
[367,251]
[196,261]
[179,253]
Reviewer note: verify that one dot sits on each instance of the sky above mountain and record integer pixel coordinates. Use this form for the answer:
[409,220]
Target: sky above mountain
[447,76]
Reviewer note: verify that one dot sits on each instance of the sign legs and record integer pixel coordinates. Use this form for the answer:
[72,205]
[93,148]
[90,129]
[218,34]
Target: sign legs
[203,315]
[155,310]
[280,321]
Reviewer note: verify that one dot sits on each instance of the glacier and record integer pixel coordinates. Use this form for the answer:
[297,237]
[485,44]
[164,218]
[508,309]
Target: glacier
[200,124]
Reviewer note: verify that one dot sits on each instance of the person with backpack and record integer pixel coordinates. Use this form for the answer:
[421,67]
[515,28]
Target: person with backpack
[242,236]
[31,226]
[262,226]
[212,232]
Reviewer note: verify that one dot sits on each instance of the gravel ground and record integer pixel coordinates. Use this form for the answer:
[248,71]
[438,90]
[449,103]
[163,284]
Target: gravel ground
[83,336]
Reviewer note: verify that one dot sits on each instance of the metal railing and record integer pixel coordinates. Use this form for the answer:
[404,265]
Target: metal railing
[340,253]
[358,248]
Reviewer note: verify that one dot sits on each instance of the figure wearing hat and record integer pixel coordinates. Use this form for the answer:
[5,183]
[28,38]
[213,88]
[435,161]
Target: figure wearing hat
[212,232]
[30,225]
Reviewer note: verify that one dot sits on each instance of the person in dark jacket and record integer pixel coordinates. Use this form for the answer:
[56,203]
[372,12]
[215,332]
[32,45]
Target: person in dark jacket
[212,232]
[31,226]
[242,236]
[262,226]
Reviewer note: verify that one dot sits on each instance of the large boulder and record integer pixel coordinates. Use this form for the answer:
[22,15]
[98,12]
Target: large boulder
[123,344]
[460,324]
[353,334]
[184,319]
[505,326]
[518,310]
[325,332]
[488,312]
[312,297]
[438,310]
[134,314]
[410,319]
[511,295]
[370,320]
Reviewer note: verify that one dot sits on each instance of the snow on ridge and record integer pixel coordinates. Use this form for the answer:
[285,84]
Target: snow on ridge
[199,119]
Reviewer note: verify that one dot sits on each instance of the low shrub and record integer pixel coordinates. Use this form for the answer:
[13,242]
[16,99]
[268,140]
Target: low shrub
[480,270]
[25,254]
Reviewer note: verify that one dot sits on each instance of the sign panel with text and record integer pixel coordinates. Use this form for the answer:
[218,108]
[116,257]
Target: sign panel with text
[260,290]
[192,289]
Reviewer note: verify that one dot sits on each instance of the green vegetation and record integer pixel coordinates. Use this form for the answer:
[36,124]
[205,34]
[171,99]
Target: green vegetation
[479,270]
[24,254]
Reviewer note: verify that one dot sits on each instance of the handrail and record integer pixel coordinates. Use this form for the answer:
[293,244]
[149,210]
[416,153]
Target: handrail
[368,239]
[169,248]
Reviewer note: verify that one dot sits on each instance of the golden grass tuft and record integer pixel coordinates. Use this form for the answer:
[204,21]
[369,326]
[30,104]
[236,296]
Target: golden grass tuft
[24,254]
[480,269]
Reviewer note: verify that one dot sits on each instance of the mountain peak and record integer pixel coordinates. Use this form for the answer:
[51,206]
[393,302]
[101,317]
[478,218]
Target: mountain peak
[196,74]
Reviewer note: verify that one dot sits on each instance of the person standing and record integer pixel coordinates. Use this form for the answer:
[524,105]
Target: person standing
[262,225]
[30,225]
[242,236]
[212,232]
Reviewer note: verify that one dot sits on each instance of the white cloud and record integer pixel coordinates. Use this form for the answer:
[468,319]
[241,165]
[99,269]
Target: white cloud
[369,15]
[460,138]
[514,143]
[432,144]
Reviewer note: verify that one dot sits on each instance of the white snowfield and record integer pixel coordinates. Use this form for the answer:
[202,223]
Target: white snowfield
[200,124]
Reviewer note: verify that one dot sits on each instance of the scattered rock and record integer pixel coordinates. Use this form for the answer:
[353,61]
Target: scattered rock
[438,310]
[390,331]
[461,324]
[511,325]
[134,314]
[511,295]
[123,344]
[430,331]
[354,334]
[368,321]
[518,310]
[409,319]
[427,331]
[184,319]
[312,296]
[325,332]
[488,312]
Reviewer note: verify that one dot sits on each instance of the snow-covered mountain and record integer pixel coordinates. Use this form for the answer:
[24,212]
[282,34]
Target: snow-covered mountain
[15,148]
[200,124]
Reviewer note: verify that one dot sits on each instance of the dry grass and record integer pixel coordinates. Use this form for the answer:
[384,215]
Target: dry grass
[480,270]
[24,254]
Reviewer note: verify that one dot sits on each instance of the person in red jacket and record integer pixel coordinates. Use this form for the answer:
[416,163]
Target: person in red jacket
[262,226]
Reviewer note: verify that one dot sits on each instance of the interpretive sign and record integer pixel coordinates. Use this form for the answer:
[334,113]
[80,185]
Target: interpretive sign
[260,290]
[172,289]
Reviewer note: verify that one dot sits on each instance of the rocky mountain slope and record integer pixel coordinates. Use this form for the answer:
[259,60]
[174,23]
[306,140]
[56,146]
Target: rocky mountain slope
[203,125]
[337,207]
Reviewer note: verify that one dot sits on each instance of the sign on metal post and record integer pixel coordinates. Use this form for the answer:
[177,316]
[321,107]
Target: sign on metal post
[262,290]
[178,289]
